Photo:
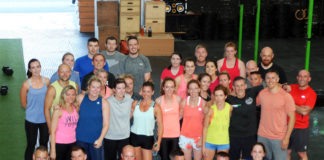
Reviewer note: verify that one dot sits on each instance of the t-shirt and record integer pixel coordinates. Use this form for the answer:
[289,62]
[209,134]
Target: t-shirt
[167,73]
[83,65]
[115,62]
[119,123]
[282,74]
[306,97]
[243,120]
[200,69]
[274,112]
[110,81]
[74,77]
[137,67]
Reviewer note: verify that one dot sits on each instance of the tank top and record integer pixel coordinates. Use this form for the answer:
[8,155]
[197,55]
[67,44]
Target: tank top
[182,89]
[67,123]
[193,118]
[233,72]
[144,122]
[35,103]
[58,89]
[171,121]
[213,85]
[107,92]
[90,120]
[218,132]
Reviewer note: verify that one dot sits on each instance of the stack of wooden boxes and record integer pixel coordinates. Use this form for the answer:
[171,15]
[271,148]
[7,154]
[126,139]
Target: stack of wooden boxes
[107,21]
[155,16]
[130,11]
[161,43]
[86,15]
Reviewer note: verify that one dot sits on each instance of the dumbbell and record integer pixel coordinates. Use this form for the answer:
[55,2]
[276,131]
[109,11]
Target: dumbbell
[7,70]
[4,90]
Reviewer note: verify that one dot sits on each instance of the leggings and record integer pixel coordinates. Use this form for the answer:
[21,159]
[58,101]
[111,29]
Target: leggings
[113,148]
[31,134]
[63,151]
[168,145]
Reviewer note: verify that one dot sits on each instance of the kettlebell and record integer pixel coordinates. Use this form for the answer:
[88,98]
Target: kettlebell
[4,90]
[7,70]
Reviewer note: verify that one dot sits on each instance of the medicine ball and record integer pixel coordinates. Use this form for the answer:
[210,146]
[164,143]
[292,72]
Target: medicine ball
[4,90]
[7,70]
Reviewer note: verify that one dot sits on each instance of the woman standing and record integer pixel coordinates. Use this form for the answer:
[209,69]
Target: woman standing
[105,90]
[32,97]
[211,69]
[183,79]
[216,125]
[175,69]
[193,111]
[145,112]
[93,121]
[119,126]
[68,59]
[64,122]
[170,107]
[230,63]
[204,81]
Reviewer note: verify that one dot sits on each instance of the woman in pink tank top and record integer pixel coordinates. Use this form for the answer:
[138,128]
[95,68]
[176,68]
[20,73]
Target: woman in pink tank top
[230,63]
[169,103]
[183,79]
[105,90]
[192,111]
[64,122]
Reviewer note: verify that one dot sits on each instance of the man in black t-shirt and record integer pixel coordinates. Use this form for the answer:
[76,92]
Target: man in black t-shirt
[243,127]
[267,64]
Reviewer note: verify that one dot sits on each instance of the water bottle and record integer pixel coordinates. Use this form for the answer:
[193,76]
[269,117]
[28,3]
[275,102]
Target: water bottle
[154,153]
[315,128]
[150,32]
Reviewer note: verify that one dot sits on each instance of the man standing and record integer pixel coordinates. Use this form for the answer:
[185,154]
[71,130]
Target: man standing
[98,62]
[201,55]
[54,91]
[267,64]
[243,127]
[305,99]
[276,105]
[114,58]
[83,64]
[136,64]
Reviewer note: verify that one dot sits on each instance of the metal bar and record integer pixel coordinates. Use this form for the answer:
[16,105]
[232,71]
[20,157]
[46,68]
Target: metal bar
[240,30]
[256,39]
[309,33]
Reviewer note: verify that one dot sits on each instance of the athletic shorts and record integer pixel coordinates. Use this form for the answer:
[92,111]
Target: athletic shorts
[299,140]
[188,143]
[145,142]
[217,147]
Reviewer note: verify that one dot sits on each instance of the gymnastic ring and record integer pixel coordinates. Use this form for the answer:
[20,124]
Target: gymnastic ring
[296,15]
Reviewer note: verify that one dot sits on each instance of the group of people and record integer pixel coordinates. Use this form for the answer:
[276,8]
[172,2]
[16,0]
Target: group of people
[103,102]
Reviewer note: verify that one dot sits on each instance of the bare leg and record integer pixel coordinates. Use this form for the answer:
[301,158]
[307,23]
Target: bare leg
[197,154]
[147,154]
[209,154]
[187,154]
[303,155]
[138,152]
[289,154]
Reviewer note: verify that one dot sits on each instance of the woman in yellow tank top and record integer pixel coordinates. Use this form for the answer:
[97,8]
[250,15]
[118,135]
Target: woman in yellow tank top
[216,125]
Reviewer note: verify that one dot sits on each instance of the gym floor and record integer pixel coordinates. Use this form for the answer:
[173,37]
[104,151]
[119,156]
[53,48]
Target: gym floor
[49,28]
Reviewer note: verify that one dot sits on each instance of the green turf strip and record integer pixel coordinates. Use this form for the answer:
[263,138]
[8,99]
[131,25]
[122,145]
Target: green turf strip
[12,115]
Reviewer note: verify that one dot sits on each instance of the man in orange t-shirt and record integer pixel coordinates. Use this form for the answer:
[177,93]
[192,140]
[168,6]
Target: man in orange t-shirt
[305,98]
[276,105]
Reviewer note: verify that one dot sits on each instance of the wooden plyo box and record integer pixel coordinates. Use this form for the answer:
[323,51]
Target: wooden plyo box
[107,13]
[160,44]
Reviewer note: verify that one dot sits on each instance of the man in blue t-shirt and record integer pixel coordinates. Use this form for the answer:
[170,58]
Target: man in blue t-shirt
[83,64]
